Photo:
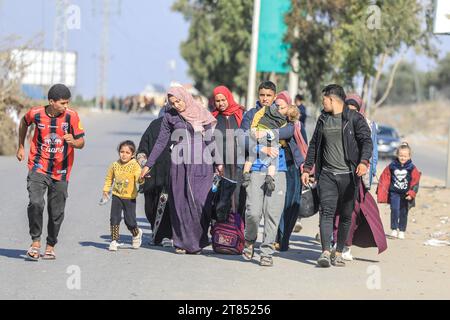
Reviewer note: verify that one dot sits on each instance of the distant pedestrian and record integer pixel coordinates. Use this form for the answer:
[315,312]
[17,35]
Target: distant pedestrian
[398,186]
[299,98]
[58,131]
[123,176]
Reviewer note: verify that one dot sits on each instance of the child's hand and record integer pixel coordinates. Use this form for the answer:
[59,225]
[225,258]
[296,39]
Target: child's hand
[144,173]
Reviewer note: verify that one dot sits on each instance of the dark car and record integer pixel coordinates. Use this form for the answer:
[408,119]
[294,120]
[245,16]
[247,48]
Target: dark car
[388,141]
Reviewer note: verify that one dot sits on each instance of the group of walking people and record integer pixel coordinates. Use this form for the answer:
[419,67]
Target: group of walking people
[264,151]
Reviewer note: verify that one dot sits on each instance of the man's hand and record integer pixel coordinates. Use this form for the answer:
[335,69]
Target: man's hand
[20,155]
[409,198]
[69,139]
[270,151]
[259,134]
[361,170]
[144,172]
[305,179]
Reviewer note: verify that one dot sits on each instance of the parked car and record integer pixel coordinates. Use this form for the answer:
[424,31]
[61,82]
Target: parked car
[388,141]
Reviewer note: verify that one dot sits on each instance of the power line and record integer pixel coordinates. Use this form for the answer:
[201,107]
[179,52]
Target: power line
[60,42]
[104,52]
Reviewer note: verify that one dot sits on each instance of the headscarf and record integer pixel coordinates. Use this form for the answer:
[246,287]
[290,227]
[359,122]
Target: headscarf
[195,114]
[355,99]
[284,95]
[233,109]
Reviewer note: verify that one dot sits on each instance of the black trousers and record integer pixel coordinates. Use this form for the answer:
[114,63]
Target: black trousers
[128,207]
[337,193]
[38,184]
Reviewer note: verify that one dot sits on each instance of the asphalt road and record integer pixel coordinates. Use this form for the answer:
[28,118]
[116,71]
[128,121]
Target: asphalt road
[85,269]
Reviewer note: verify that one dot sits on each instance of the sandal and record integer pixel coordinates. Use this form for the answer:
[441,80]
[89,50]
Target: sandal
[337,260]
[34,253]
[180,251]
[248,252]
[49,255]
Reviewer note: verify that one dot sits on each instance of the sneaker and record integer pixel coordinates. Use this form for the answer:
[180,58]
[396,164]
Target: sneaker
[248,252]
[346,255]
[324,260]
[266,262]
[394,234]
[298,227]
[337,260]
[137,241]
[113,246]
[166,243]
[401,235]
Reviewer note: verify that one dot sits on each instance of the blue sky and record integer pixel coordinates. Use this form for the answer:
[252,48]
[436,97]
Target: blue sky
[144,38]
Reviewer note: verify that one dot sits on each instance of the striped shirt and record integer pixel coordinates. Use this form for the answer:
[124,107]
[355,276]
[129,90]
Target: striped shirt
[49,152]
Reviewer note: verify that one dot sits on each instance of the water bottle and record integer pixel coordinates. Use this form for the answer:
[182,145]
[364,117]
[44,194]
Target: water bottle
[215,184]
[104,200]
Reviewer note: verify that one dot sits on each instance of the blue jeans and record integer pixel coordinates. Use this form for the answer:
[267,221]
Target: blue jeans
[399,211]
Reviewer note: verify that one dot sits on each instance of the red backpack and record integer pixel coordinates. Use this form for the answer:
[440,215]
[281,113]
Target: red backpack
[228,236]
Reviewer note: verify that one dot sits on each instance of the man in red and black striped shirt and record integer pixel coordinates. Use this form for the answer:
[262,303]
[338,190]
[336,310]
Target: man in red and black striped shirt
[58,132]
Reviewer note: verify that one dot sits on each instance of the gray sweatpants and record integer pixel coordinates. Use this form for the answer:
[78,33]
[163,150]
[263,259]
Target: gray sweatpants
[259,204]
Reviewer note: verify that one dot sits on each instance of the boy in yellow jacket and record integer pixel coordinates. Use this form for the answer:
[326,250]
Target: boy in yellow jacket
[123,175]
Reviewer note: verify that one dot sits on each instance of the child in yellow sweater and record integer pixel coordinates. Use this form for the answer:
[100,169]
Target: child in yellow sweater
[122,177]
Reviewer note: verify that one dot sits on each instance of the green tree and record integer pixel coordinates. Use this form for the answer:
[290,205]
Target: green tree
[218,47]
[409,85]
[340,40]
[440,77]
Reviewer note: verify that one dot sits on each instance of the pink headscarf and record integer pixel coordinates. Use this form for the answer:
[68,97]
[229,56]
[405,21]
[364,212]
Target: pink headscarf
[356,98]
[195,114]
[284,95]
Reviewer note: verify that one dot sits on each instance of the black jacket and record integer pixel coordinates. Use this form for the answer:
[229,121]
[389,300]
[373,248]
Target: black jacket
[160,174]
[357,142]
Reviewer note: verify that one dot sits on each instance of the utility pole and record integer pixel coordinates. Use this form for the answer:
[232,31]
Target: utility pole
[60,42]
[254,55]
[102,80]
[104,57]
[293,74]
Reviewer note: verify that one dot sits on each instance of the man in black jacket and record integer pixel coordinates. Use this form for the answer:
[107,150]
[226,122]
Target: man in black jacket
[340,151]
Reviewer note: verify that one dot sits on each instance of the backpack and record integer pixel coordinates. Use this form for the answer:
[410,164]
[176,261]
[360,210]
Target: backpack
[228,236]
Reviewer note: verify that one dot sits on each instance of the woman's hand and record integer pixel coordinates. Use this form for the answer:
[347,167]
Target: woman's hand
[144,173]
[409,198]
[219,170]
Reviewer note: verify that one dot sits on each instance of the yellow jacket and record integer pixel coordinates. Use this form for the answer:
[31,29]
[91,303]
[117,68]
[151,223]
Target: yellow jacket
[124,177]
